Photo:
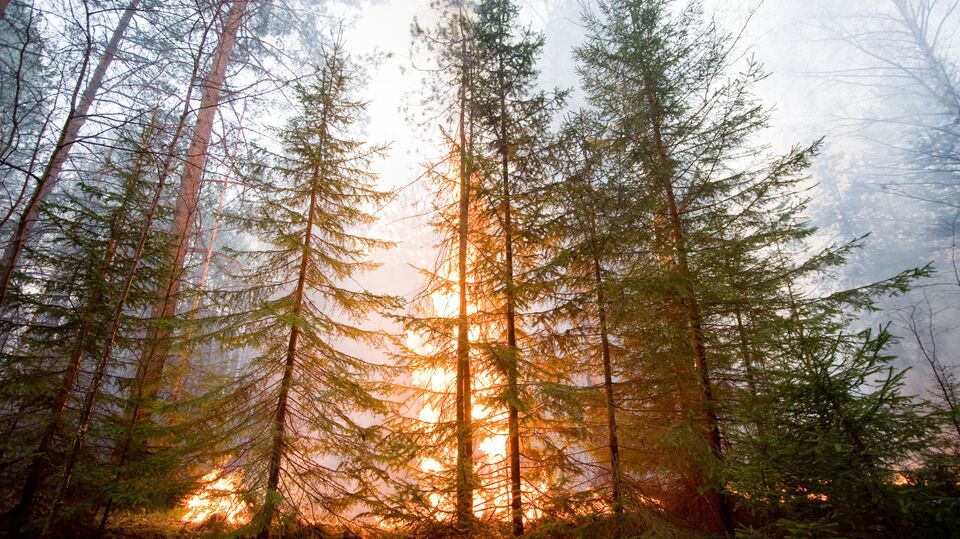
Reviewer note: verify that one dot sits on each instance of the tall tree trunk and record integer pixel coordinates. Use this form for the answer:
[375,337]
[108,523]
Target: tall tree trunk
[184,366]
[513,419]
[746,351]
[3,8]
[616,472]
[716,497]
[188,197]
[76,117]
[464,508]
[280,419]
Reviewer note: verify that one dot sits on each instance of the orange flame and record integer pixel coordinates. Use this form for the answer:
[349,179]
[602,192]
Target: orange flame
[218,497]
[492,497]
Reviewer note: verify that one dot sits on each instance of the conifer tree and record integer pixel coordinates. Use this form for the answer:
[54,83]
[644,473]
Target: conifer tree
[709,282]
[309,454]
[838,432]
[583,263]
[511,119]
[443,338]
[91,257]
[645,70]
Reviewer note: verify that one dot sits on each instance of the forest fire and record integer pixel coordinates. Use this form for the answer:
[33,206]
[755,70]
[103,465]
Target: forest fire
[647,287]
[217,498]
[490,457]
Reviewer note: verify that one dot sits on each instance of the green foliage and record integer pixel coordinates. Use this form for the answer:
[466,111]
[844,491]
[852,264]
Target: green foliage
[306,443]
[827,434]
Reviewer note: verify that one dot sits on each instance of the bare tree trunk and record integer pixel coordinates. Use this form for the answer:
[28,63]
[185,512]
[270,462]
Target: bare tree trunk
[715,496]
[184,366]
[3,8]
[280,419]
[151,368]
[68,137]
[464,507]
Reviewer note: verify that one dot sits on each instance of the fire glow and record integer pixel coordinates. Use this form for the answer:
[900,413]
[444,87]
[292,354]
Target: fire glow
[492,494]
[218,497]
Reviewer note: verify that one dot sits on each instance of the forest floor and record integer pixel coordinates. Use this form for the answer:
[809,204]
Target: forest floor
[162,526]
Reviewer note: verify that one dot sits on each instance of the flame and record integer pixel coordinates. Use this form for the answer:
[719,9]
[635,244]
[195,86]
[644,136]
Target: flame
[217,497]
[492,496]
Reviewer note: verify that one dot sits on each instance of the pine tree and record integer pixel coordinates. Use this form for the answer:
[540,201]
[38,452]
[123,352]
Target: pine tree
[186,212]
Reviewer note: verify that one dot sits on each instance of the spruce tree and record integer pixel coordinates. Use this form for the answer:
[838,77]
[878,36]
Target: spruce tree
[828,434]
[309,454]
[451,46]
[724,255]
[583,263]
[85,309]
[512,120]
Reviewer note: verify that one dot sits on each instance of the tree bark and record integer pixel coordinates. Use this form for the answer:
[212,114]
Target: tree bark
[188,197]
[3,8]
[68,137]
[464,507]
